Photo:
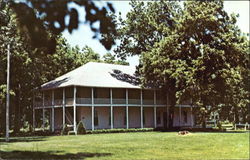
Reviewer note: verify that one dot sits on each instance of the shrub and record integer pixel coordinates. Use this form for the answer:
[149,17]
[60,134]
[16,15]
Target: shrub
[81,128]
[65,130]
[219,125]
[120,130]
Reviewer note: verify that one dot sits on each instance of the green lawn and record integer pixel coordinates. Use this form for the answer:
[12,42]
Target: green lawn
[140,145]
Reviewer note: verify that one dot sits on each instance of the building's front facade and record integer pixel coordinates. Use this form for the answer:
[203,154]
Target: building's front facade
[106,96]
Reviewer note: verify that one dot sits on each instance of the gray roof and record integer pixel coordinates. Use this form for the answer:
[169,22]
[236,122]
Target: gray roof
[95,74]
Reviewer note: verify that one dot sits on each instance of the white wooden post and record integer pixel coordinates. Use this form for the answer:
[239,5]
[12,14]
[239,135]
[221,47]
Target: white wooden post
[92,109]
[155,123]
[141,110]
[43,112]
[53,112]
[74,108]
[127,117]
[63,107]
[111,109]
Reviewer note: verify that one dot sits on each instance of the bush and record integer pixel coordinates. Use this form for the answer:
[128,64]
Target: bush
[65,130]
[219,125]
[120,130]
[81,128]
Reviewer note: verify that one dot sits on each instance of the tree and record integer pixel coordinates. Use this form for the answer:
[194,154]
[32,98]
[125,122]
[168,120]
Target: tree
[31,67]
[36,17]
[196,52]
[109,58]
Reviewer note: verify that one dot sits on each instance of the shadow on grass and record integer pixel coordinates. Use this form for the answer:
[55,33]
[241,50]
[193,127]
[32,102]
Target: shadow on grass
[23,139]
[48,155]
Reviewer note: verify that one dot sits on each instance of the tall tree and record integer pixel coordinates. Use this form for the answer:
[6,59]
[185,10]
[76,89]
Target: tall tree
[31,67]
[200,53]
[111,59]
[36,17]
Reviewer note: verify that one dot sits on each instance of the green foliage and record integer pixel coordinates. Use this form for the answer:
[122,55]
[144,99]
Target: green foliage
[35,18]
[81,128]
[65,130]
[196,52]
[219,125]
[111,59]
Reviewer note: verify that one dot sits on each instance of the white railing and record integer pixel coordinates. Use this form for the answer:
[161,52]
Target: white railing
[47,103]
[38,104]
[102,100]
[119,101]
[69,101]
[148,101]
[83,100]
[58,101]
[160,102]
[134,101]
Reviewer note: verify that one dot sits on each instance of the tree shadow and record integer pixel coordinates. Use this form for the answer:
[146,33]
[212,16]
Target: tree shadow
[54,83]
[48,155]
[23,139]
[119,75]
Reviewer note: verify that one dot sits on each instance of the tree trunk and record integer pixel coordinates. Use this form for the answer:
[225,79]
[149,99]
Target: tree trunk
[236,113]
[204,124]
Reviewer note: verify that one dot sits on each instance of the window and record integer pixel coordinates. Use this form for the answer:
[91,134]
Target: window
[95,118]
[184,113]
[158,117]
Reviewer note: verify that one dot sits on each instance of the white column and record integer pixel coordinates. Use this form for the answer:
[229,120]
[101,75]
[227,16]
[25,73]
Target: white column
[155,123]
[74,108]
[63,107]
[43,112]
[127,120]
[92,109]
[111,109]
[141,110]
[53,112]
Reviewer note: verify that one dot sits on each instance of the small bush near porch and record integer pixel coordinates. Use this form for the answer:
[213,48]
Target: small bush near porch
[144,145]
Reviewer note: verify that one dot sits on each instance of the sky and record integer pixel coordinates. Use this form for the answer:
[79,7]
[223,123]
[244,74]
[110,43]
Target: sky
[83,35]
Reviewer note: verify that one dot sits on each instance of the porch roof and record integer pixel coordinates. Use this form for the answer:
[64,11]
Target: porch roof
[95,74]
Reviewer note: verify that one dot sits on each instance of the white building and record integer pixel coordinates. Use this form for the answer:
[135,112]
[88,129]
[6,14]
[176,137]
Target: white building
[106,96]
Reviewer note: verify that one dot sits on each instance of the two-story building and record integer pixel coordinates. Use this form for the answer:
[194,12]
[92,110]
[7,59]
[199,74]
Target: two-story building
[105,96]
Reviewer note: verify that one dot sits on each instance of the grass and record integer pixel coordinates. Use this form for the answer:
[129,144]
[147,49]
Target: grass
[142,145]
